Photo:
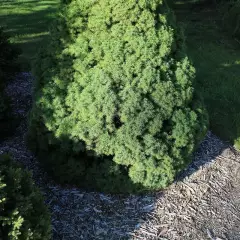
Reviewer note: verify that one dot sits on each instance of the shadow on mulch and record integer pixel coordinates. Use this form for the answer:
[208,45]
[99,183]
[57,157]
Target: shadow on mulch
[210,148]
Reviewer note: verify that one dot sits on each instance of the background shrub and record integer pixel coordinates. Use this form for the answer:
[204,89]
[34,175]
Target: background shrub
[8,67]
[115,107]
[22,212]
[8,57]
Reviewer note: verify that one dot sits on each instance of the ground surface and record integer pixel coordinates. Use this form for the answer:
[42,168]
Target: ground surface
[27,22]
[203,204]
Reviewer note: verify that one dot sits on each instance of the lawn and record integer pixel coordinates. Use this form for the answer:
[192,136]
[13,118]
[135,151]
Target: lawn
[27,22]
[216,57]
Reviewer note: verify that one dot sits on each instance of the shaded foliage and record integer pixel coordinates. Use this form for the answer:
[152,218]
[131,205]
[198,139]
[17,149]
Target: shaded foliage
[115,107]
[8,67]
[8,57]
[23,214]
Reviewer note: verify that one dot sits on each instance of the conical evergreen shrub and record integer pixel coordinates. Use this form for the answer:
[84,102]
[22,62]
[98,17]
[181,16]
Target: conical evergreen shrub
[114,97]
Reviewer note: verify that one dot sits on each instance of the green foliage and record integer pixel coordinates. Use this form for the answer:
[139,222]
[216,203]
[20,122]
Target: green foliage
[114,97]
[23,215]
[8,67]
[8,57]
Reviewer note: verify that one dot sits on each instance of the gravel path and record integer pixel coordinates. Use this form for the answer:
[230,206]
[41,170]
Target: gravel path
[204,204]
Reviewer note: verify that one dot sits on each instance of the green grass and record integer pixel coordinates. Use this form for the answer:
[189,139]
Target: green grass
[27,22]
[216,57]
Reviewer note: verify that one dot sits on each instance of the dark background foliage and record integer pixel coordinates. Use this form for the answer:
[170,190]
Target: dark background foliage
[8,68]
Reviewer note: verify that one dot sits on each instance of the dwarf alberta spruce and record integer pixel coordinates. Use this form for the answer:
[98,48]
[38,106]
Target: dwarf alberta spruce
[115,108]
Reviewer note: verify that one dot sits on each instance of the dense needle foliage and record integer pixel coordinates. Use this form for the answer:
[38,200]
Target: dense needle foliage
[115,107]
[23,215]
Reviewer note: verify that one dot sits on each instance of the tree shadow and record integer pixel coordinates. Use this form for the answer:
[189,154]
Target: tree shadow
[207,152]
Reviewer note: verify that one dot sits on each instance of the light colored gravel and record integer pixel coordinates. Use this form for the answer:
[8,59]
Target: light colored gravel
[203,204]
